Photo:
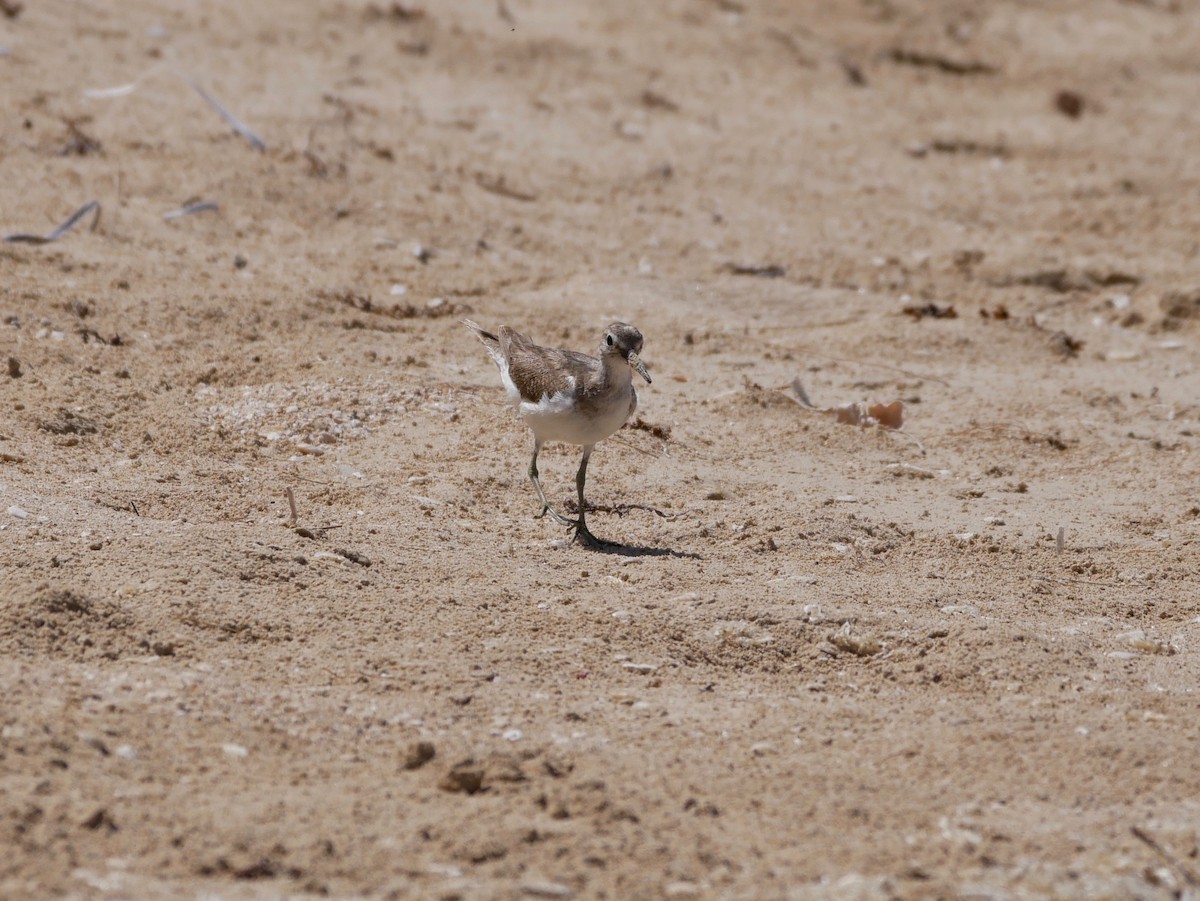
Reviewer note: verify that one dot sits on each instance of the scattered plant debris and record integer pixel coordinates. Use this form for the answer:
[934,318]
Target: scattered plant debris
[655,100]
[435,309]
[662,432]
[1062,280]
[1000,311]
[931,311]
[888,416]
[967,259]
[1070,103]
[499,186]
[1181,303]
[397,12]
[1054,440]
[619,509]
[1112,278]
[100,819]
[90,334]
[79,142]
[191,208]
[854,73]
[240,127]
[910,471]
[789,43]
[963,146]
[1189,875]
[923,60]
[1065,344]
[89,207]
[767,271]
[352,556]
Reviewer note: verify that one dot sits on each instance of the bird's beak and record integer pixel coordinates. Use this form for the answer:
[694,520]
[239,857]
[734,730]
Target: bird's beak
[636,362]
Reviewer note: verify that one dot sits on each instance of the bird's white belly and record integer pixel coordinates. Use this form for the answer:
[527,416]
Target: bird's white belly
[555,418]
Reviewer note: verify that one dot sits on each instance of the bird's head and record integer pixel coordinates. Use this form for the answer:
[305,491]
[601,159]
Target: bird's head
[625,341]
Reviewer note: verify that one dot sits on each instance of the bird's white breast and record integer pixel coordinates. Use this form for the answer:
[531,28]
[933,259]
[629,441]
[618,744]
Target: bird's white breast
[556,417]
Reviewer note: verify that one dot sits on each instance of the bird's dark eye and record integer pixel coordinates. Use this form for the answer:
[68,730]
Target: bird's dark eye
[609,340]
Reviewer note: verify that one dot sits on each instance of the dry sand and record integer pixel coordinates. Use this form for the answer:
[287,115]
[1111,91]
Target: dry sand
[849,663]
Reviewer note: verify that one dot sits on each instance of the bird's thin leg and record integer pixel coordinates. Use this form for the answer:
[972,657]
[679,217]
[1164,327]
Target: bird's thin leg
[533,477]
[581,529]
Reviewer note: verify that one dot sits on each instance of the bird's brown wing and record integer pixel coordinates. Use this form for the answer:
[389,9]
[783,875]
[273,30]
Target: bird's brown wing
[539,371]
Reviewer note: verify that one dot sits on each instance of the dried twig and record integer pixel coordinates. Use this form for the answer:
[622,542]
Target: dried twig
[90,206]
[766,271]
[619,509]
[500,187]
[1154,845]
[231,120]
[291,499]
[190,209]
[940,63]
[931,310]
[120,90]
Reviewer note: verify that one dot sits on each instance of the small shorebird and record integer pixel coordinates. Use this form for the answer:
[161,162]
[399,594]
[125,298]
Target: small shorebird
[566,396]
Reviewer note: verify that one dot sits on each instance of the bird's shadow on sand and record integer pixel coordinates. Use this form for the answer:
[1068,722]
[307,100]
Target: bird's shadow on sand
[632,550]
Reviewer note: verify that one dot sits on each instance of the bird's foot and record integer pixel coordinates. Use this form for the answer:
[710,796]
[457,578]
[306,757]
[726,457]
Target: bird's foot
[584,536]
[555,515]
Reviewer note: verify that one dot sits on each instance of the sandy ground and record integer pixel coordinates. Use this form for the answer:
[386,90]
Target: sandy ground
[955,660]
